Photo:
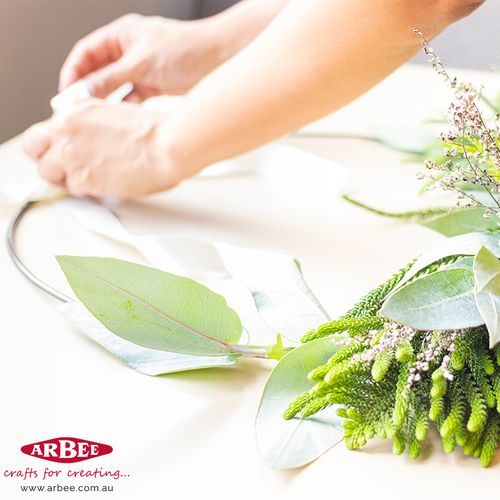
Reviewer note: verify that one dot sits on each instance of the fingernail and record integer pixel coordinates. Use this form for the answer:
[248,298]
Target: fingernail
[91,88]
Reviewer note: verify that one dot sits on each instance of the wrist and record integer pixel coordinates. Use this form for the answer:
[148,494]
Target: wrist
[220,36]
[176,159]
[234,28]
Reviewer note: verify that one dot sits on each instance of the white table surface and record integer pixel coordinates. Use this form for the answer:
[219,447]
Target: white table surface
[191,435]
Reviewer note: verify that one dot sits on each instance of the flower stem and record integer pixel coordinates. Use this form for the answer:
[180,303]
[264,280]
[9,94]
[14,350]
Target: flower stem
[275,351]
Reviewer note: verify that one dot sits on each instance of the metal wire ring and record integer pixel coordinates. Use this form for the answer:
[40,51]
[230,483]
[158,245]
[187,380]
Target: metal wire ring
[18,216]
[25,271]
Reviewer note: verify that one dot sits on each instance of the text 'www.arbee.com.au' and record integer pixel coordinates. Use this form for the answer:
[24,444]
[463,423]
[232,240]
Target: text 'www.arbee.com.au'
[59,488]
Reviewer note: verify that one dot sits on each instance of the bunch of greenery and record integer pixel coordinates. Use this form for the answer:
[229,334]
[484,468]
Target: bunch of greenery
[393,381]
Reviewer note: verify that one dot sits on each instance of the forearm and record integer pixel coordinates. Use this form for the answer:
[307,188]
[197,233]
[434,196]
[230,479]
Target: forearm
[236,27]
[307,63]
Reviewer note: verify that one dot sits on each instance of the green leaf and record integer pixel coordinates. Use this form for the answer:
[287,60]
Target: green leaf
[487,272]
[462,222]
[152,308]
[487,293]
[280,292]
[296,442]
[462,263]
[146,361]
[465,244]
[443,300]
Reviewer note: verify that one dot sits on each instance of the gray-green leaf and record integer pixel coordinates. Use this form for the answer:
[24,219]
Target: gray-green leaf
[465,244]
[462,263]
[280,292]
[443,300]
[296,442]
[144,360]
[461,222]
[152,308]
[487,278]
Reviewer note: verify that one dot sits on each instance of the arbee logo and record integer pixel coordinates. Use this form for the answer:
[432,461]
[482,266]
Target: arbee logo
[66,450]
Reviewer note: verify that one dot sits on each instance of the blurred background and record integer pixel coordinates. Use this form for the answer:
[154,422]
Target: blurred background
[36,35]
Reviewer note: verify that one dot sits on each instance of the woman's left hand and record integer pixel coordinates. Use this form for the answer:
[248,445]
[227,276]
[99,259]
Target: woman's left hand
[99,149]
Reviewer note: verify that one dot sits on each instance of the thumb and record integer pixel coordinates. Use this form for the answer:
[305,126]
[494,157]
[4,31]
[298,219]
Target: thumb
[103,81]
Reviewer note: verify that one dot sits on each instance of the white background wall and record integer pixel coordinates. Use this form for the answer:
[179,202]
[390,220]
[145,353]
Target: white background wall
[35,36]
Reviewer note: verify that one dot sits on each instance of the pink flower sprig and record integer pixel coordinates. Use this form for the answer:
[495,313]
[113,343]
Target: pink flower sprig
[471,164]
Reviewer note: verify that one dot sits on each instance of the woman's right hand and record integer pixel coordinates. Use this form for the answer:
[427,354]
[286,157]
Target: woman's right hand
[158,55]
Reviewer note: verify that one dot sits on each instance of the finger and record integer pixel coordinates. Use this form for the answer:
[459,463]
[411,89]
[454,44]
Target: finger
[78,181]
[102,82]
[51,168]
[36,140]
[134,98]
[140,94]
[72,118]
[91,53]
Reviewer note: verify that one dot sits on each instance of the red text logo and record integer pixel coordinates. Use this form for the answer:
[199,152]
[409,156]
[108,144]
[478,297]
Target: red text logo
[66,450]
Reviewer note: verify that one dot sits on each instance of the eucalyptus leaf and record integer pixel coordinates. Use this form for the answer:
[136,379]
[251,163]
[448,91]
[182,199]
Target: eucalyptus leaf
[144,360]
[296,442]
[461,222]
[487,279]
[280,292]
[487,271]
[152,308]
[465,244]
[443,300]
[462,263]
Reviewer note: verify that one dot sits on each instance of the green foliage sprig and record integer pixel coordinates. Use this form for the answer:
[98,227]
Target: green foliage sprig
[396,382]
[362,316]
[417,215]
[465,160]
[471,166]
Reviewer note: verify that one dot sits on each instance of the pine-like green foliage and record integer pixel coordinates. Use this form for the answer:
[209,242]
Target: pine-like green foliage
[456,415]
[381,365]
[370,304]
[375,398]
[392,391]
[353,326]
[404,352]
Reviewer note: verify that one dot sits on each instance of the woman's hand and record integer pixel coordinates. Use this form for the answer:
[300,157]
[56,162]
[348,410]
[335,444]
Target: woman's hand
[99,149]
[163,56]
[159,56]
